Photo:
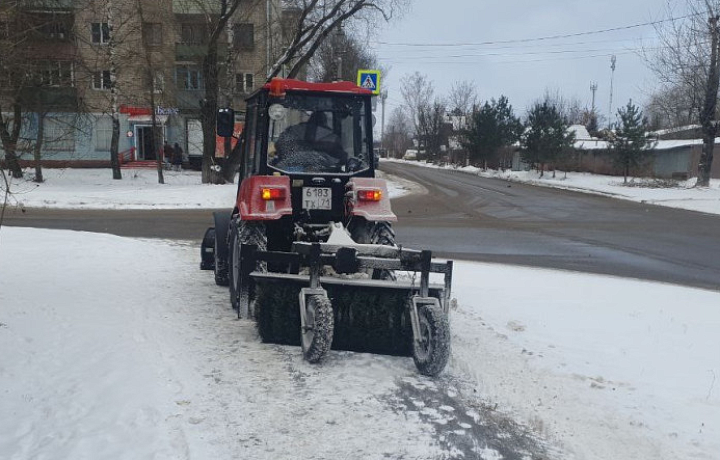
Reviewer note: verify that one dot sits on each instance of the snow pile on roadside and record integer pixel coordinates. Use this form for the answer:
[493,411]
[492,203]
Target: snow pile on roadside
[609,367]
[117,348]
[139,189]
[121,348]
[683,195]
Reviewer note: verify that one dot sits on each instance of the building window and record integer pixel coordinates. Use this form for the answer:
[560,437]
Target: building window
[55,30]
[152,33]
[244,36]
[192,34]
[103,134]
[100,32]
[55,73]
[244,82]
[188,78]
[101,80]
[59,134]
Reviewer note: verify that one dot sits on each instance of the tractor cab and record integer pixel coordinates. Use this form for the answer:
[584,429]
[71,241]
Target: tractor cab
[317,134]
[303,129]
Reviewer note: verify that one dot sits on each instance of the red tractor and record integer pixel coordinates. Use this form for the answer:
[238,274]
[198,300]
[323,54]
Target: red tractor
[308,250]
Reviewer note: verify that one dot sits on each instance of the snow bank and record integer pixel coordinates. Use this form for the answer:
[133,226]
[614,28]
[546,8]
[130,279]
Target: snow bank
[139,189]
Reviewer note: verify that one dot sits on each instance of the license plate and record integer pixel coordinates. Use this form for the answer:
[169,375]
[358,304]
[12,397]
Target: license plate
[317,198]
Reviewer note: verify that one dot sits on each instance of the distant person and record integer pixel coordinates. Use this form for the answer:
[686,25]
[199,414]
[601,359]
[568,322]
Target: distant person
[167,153]
[177,160]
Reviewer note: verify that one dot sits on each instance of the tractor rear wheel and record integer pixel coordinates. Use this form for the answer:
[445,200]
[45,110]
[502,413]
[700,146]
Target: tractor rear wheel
[380,232]
[317,335]
[243,232]
[220,268]
[432,352]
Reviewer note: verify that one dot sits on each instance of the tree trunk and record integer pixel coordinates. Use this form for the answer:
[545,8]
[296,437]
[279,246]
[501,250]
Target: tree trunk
[114,105]
[9,141]
[12,162]
[208,114]
[37,151]
[707,116]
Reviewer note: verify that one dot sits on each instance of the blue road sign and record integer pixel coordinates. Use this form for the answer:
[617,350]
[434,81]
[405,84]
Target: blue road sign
[369,79]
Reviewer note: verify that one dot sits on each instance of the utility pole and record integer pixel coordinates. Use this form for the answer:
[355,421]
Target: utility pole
[593,88]
[708,115]
[613,60]
[383,98]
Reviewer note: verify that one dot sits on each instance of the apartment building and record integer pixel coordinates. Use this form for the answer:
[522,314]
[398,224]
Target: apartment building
[70,51]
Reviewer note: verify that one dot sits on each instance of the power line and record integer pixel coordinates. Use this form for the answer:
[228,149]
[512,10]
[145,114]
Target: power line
[529,53]
[514,61]
[550,37]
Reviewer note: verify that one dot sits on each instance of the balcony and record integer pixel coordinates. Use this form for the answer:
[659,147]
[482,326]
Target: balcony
[50,98]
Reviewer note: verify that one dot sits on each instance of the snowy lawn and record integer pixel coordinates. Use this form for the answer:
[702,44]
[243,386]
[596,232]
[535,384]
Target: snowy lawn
[117,348]
[684,195]
[139,189]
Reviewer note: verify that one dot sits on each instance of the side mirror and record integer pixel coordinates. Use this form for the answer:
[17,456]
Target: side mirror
[225,122]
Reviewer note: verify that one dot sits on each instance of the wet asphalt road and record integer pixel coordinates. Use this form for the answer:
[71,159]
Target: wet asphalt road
[466,217]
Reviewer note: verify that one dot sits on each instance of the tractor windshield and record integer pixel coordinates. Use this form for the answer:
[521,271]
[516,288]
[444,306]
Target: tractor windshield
[318,134]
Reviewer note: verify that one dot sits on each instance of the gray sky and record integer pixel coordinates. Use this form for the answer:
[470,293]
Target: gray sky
[523,71]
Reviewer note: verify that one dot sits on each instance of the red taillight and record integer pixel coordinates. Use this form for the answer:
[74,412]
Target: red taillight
[272,193]
[369,195]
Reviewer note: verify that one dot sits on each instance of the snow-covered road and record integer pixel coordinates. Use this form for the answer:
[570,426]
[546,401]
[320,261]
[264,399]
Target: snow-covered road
[120,348]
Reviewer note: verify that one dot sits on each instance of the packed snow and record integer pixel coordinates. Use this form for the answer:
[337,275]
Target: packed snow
[139,189]
[118,348]
[680,194]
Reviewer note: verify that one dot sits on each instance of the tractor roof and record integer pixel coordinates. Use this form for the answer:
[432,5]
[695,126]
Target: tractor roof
[281,85]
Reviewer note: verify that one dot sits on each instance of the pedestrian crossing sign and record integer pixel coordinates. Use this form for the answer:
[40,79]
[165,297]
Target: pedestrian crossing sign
[369,79]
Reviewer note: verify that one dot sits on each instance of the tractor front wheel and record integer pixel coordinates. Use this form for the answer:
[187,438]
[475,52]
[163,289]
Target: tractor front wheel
[432,351]
[317,335]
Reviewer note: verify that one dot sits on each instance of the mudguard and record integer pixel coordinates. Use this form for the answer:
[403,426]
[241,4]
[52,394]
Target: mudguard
[252,206]
[370,210]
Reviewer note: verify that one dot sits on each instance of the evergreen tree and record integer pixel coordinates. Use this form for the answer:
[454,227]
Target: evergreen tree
[491,127]
[630,146]
[546,136]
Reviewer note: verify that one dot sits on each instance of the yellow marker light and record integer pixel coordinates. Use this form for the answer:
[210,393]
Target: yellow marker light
[273,193]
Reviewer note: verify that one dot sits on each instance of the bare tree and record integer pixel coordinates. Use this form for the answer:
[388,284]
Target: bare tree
[398,133]
[433,129]
[463,97]
[687,58]
[571,108]
[340,57]
[315,20]
[417,92]
[35,73]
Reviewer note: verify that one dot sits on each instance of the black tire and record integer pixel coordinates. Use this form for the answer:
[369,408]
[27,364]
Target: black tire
[432,354]
[246,232]
[317,338]
[220,269]
[366,232]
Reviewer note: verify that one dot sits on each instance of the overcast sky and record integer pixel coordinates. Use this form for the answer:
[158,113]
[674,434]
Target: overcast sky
[523,71]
